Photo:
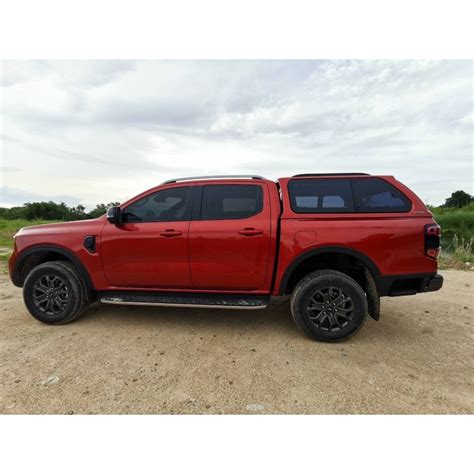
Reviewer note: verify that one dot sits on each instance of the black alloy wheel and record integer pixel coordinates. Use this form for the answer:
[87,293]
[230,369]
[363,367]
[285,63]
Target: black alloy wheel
[50,294]
[330,309]
[55,293]
[329,305]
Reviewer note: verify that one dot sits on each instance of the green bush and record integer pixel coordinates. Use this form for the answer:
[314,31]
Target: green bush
[454,222]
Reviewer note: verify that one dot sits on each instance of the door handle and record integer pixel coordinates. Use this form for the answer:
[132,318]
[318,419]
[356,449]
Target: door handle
[171,233]
[249,231]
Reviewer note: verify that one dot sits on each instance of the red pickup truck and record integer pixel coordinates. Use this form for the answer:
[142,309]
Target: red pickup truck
[335,242]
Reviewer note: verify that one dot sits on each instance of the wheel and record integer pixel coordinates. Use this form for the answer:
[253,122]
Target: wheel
[54,293]
[329,306]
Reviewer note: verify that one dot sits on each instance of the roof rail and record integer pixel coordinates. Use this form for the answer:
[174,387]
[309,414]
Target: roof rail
[329,174]
[219,176]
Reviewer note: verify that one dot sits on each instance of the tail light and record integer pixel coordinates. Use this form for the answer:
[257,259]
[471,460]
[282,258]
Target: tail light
[432,240]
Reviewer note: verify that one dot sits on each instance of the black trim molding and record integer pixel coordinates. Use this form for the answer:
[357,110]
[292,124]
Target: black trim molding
[342,250]
[18,278]
[403,285]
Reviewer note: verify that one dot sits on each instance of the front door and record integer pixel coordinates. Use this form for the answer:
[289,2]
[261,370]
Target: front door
[149,249]
[230,240]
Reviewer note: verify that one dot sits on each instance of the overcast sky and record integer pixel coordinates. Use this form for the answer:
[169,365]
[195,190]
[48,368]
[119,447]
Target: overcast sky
[99,131]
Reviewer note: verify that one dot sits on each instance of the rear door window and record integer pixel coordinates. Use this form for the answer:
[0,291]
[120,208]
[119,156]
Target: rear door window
[232,201]
[321,195]
[377,195]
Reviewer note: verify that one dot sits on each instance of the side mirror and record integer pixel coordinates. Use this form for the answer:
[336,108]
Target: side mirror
[113,215]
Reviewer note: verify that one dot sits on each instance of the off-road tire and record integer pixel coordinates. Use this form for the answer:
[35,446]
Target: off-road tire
[70,307]
[341,284]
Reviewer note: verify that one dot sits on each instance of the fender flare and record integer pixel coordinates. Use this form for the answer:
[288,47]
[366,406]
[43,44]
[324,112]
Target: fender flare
[368,262]
[68,254]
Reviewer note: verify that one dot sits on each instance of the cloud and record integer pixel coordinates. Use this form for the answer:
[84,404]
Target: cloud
[70,73]
[14,197]
[105,130]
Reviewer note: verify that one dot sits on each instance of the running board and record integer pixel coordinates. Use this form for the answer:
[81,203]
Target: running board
[194,300]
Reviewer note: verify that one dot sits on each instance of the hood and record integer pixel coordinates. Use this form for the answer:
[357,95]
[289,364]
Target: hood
[60,227]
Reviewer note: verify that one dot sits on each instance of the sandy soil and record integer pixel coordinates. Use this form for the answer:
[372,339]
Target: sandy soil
[417,359]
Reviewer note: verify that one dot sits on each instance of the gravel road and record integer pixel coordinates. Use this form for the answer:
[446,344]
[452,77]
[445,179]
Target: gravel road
[417,359]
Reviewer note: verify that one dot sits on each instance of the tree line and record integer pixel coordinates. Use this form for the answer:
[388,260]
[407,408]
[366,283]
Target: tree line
[51,211]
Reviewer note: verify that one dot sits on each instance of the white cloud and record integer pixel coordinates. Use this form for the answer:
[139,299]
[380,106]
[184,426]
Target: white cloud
[105,130]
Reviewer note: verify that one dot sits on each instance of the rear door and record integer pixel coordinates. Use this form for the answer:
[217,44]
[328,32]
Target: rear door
[229,237]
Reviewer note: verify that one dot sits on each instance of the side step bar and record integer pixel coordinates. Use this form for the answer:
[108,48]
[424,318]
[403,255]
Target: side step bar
[195,300]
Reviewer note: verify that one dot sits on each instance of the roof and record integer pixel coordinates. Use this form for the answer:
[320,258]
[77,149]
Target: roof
[217,176]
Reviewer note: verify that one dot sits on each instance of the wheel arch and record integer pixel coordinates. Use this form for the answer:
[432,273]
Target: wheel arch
[309,261]
[34,256]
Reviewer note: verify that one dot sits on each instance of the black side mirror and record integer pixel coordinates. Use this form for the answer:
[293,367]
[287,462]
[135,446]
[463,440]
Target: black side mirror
[113,215]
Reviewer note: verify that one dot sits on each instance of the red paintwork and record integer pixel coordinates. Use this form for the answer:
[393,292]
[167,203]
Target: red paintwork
[142,255]
[226,255]
[224,259]
[67,235]
[393,241]
[212,256]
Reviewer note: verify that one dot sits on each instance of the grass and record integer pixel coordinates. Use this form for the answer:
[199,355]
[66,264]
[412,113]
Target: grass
[457,236]
[7,230]
[459,256]
[454,222]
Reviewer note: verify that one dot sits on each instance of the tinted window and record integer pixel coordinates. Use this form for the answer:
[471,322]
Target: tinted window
[231,201]
[376,195]
[166,205]
[321,195]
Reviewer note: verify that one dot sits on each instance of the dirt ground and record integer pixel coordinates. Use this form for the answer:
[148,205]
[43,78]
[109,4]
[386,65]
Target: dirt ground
[417,359]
